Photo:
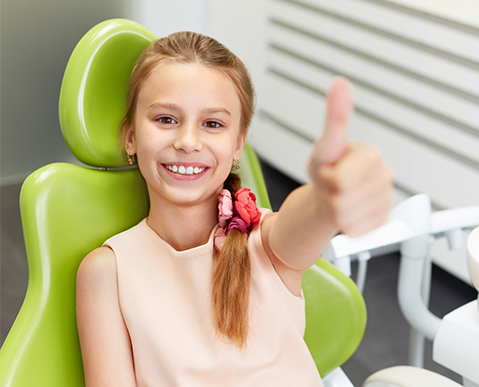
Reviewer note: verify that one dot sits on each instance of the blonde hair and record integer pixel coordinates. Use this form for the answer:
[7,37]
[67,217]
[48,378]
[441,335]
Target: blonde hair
[231,279]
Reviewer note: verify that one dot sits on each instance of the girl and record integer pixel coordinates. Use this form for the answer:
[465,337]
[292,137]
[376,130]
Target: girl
[206,291]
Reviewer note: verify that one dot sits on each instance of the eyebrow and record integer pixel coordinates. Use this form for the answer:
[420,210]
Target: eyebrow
[217,110]
[174,107]
[170,106]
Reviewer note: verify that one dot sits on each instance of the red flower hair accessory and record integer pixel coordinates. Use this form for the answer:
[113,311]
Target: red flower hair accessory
[245,205]
[241,214]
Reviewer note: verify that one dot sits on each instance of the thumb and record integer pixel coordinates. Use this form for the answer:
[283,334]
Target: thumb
[331,145]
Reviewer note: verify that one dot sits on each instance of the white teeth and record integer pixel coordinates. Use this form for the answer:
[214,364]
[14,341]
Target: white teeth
[185,170]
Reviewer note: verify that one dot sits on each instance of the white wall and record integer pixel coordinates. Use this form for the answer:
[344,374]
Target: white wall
[461,11]
[165,17]
[416,79]
[241,26]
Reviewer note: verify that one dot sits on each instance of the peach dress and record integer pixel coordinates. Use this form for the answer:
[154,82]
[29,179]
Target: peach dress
[165,298]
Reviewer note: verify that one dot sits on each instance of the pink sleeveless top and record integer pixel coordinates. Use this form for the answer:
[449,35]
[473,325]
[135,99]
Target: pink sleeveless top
[165,298]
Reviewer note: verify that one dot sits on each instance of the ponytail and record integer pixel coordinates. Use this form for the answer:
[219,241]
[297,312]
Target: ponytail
[231,282]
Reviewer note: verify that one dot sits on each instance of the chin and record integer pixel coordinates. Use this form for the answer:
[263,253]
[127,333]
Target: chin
[190,197]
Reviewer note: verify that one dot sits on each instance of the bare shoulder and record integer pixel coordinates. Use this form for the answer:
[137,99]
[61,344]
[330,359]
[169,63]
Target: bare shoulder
[291,278]
[100,259]
[97,281]
[100,263]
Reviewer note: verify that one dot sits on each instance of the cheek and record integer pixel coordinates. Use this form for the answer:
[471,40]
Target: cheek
[224,161]
[226,152]
[147,140]
[147,150]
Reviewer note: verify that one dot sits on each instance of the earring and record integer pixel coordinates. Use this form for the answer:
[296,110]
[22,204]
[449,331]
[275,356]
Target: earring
[235,165]
[131,158]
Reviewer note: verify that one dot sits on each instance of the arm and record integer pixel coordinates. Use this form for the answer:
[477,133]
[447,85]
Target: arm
[351,192]
[104,339]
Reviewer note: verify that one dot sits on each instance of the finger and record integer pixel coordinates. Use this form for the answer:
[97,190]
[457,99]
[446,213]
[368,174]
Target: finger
[369,207]
[358,161]
[332,143]
[372,221]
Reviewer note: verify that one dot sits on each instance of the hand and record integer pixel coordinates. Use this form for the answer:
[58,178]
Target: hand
[352,181]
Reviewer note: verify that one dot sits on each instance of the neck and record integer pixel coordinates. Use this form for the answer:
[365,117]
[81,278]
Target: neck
[183,226]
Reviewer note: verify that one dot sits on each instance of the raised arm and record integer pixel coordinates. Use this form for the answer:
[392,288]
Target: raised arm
[351,192]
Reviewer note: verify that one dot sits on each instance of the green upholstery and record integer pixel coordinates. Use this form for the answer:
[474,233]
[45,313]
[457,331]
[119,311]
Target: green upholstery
[93,94]
[335,316]
[67,211]
[252,176]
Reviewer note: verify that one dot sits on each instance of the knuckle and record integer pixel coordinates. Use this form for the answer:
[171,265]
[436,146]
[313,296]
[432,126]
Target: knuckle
[333,180]
[341,182]
[371,156]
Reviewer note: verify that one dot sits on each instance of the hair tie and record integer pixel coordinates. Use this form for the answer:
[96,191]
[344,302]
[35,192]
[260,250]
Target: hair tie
[237,223]
[239,212]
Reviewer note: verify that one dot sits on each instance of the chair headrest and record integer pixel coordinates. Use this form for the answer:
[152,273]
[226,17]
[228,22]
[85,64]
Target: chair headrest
[93,93]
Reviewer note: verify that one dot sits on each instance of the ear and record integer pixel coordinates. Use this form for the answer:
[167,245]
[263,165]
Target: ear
[240,145]
[130,143]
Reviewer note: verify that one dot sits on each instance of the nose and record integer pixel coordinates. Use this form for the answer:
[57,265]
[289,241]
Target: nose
[188,139]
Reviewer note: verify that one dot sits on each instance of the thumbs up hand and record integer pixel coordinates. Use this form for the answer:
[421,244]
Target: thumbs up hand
[351,179]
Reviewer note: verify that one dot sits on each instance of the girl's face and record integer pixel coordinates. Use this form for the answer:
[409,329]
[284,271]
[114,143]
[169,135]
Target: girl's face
[186,132]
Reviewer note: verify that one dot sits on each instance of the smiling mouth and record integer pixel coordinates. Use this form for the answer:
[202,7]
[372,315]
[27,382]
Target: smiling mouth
[182,170]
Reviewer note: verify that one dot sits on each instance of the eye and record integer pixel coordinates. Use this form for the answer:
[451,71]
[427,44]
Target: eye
[212,124]
[166,120]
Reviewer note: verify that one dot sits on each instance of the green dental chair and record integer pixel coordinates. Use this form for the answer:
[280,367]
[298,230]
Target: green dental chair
[68,210]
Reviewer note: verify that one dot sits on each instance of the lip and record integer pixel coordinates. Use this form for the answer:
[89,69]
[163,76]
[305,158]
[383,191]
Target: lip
[180,177]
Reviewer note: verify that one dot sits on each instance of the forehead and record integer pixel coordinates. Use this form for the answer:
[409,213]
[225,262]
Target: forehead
[190,85]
